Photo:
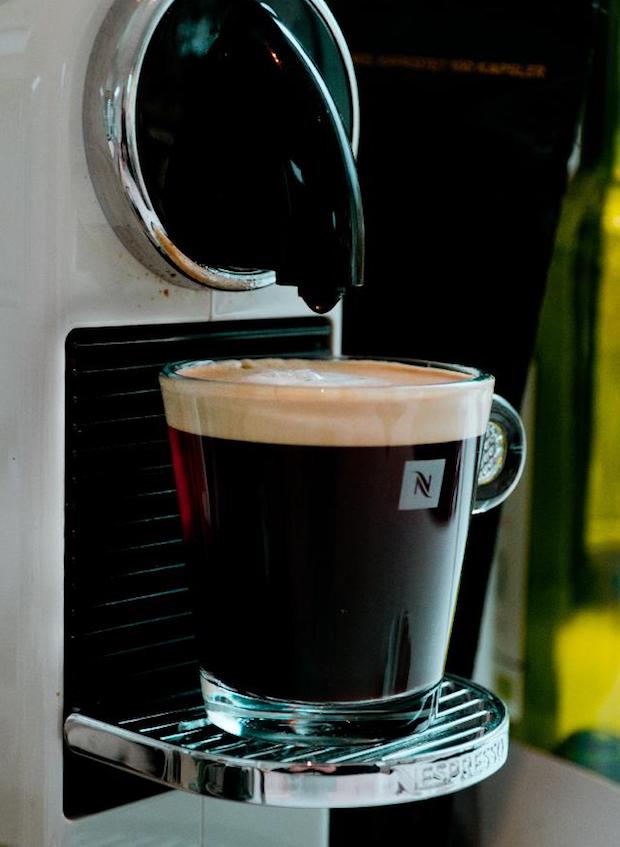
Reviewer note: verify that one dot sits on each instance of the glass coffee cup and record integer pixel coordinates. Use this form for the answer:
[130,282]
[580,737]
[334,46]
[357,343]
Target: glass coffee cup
[325,506]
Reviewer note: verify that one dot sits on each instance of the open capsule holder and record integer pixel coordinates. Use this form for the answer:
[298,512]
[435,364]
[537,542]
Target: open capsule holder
[467,742]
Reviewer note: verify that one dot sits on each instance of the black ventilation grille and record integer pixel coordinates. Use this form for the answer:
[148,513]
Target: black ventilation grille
[129,644]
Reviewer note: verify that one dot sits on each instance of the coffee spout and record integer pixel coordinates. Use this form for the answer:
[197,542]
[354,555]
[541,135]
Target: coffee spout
[217,150]
[276,164]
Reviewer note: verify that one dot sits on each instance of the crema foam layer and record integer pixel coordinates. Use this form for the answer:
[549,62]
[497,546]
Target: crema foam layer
[331,402]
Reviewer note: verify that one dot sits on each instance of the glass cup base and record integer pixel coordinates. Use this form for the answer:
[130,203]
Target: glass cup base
[296,722]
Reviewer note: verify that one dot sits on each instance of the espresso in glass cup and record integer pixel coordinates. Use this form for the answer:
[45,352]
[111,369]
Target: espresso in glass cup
[325,506]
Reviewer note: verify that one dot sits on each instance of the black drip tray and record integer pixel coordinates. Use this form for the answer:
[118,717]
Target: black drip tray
[466,743]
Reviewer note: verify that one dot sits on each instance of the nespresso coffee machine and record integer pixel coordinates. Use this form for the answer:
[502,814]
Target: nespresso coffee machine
[119,125]
[146,144]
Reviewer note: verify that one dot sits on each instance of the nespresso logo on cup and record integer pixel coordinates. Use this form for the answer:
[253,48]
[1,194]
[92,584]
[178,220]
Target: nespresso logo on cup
[421,484]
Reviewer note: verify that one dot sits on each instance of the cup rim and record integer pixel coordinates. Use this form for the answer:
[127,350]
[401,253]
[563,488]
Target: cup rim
[473,376]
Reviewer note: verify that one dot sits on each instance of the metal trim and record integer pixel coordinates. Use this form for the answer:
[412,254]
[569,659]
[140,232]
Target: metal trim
[466,743]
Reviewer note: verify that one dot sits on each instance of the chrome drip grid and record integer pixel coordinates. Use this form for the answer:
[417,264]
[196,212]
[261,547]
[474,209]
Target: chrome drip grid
[466,743]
